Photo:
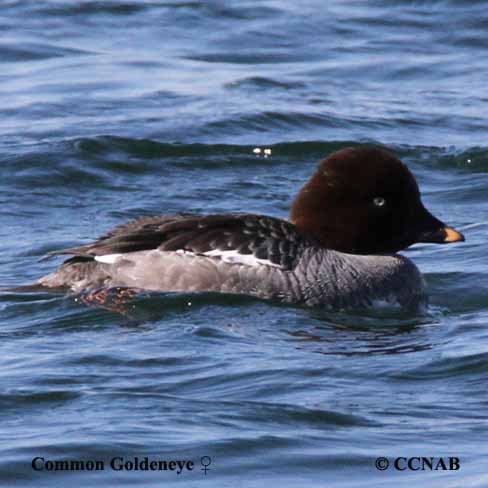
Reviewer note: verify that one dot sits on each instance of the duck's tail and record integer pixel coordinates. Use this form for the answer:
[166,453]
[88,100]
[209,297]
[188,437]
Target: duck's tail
[34,288]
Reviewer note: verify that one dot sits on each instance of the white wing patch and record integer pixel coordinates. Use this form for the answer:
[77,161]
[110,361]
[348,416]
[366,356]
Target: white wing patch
[107,258]
[232,256]
[186,253]
[235,257]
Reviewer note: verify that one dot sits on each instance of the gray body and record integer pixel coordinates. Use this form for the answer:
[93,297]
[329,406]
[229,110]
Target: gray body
[321,277]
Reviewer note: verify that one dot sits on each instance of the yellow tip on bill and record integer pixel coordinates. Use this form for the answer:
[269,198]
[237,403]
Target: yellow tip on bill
[452,235]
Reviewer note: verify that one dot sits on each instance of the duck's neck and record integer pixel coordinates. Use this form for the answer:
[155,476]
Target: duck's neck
[309,212]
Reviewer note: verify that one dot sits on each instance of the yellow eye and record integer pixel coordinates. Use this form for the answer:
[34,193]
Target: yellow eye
[379,201]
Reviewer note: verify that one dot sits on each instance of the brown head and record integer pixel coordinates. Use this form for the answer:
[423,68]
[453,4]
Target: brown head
[364,200]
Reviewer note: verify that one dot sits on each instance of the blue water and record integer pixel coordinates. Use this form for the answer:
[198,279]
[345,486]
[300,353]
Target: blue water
[114,109]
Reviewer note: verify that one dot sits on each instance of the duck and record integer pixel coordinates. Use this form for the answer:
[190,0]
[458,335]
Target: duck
[338,249]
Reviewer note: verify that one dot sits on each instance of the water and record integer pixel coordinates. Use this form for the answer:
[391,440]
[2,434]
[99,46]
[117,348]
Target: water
[115,109]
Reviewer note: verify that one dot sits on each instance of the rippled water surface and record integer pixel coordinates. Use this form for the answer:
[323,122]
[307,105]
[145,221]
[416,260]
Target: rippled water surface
[115,109]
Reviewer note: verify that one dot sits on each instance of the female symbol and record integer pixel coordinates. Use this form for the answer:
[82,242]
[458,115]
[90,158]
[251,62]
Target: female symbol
[205,461]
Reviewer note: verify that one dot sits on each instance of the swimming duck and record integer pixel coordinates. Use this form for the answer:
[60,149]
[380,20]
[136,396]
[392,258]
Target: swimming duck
[338,249]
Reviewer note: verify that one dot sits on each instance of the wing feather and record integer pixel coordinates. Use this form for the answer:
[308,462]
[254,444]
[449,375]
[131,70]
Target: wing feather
[266,238]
